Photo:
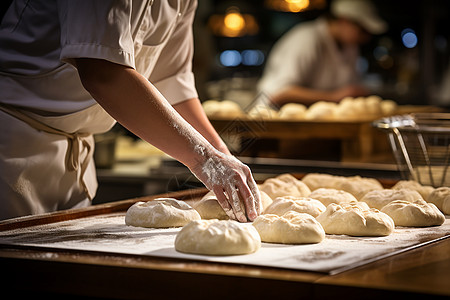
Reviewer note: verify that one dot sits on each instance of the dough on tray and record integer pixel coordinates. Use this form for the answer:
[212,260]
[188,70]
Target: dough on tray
[319,180]
[209,208]
[290,228]
[354,220]
[217,237]
[424,190]
[161,213]
[328,196]
[356,185]
[379,198]
[284,185]
[293,111]
[441,198]
[414,214]
[282,205]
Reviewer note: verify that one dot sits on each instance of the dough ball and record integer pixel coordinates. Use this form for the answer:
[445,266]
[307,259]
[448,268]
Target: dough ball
[301,186]
[319,180]
[441,198]
[160,213]
[354,220]
[356,185]
[380,198]
[321,110]
[373,105]
[290,228]
[424,190]
[294,111]
[211,107]
[346,110]
[414,214]
[217,237]
[388,107]
[274,187]
[263,112]
[328,196]
[282,205]
[222,109]
[209,208]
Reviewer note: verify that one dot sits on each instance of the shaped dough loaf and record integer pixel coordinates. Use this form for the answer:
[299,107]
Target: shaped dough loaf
[424,190]
[161,213]
[282,205]
[284,185]
[354,220]
[356,185]
[441,198]
[414,214]
[209,208]
[290,228]
[319,180]
[328,196]
[217,237]
[379,198]
[294,111]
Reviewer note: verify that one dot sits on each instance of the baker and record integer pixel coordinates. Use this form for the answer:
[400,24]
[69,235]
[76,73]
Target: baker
[70,69]
[317,60]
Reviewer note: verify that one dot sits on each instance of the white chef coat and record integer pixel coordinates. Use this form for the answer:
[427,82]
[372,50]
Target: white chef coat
[39,40]
[308,56]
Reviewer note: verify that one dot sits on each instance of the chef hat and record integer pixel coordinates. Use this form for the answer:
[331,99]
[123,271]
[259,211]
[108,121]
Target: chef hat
[362,12]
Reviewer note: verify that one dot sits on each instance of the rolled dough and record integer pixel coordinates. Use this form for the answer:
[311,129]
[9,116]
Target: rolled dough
[424,190]
[379,198]
[441,198]
[414,214]
[328,196]
[282,205]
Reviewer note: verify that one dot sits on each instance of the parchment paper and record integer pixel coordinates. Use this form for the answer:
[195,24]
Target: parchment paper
[108,233]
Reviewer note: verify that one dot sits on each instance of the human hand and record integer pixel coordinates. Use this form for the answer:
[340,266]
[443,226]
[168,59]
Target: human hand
[232,183]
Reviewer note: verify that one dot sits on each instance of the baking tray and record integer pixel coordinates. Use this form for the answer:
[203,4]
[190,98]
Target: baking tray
[106,232]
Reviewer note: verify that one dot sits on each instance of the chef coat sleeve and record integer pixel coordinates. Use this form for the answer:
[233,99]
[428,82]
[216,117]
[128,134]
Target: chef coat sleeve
[291,62]
[172,74]
[96,29]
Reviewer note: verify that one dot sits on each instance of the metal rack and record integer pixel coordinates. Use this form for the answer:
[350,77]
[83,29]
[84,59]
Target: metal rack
[421,146]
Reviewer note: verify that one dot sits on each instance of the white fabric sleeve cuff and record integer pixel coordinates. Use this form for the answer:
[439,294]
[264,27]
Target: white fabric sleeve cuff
[178,88]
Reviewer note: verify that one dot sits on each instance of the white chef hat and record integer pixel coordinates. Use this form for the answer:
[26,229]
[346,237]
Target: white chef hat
[362,12]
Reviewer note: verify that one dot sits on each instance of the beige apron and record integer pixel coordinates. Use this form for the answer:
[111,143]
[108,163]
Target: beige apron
[46,162]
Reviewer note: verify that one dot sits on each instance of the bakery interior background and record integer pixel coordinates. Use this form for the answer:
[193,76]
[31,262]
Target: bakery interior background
[409,63]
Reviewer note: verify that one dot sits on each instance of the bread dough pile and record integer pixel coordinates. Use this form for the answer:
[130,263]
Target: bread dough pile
[161,213]
[292,111]
[217,237]
[380,198]
[319,180]
[328,196]
[355,220]
[414,214]
[222,109]
[290,228]
[284,185]
[282,205]
[209,208]
[424,190]
[369,107]
[441,198]
[262,112]
[321,110]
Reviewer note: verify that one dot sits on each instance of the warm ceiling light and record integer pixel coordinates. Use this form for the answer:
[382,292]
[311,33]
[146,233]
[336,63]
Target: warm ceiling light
[295,5]
[233,23]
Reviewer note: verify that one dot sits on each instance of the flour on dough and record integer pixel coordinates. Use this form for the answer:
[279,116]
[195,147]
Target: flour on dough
[160,213]
[379,198]
[284,185]
[354,220]
[414,214]
[328,196]
[217,237]
[282,205]
[290,228]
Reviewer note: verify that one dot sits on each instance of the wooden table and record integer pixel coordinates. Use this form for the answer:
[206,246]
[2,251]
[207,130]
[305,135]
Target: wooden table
[53,273]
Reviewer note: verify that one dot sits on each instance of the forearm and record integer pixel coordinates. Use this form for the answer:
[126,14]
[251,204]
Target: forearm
[302,95]
[137,104]
[192,111]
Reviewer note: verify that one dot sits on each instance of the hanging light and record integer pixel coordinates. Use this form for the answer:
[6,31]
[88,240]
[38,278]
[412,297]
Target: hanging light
[295,5]
[233,23]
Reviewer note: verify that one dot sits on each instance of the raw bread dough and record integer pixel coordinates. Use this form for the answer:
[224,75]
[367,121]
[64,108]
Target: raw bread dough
[380,198]
[352,219]
[388,107]
[290,228]
[263,112]
[284,185]
[294,111]
[321,110]
[160,213]
[282,205]
[319,180]
[328,196]
[222,109]
[441,198]
[209,208]
[424,190]
[356,185]
[414,214]
[217,237]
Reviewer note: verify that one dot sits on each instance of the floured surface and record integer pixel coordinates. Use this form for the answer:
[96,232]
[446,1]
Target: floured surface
[108,233]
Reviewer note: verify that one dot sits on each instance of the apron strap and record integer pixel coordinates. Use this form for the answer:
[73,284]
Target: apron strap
[75,140]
